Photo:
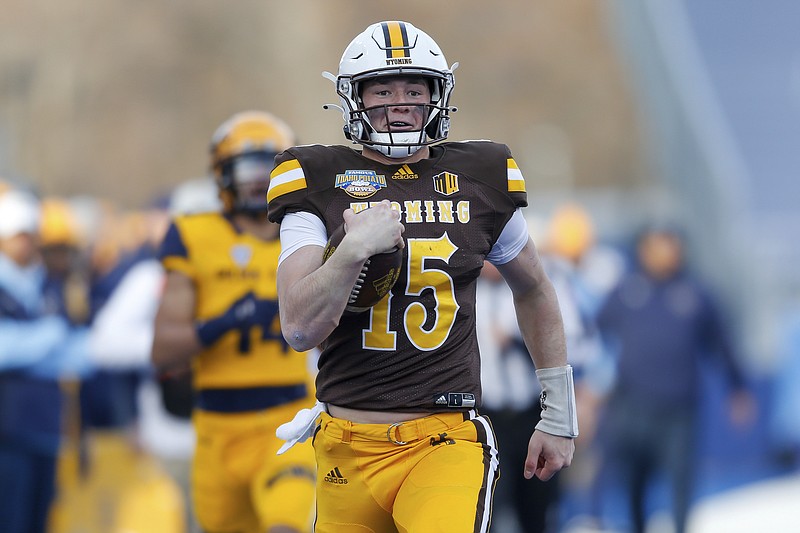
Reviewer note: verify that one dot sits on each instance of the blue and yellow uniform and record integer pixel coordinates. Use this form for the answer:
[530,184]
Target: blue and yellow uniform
[246,383]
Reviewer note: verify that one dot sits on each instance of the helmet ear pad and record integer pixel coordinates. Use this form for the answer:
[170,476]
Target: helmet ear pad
[359,127]
[346,130]
[439,127]
[432,129]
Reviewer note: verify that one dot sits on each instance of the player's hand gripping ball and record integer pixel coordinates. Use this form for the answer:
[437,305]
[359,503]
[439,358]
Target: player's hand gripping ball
[377,277]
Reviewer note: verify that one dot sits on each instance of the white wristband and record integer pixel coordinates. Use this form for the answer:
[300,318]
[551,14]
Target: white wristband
[558,402]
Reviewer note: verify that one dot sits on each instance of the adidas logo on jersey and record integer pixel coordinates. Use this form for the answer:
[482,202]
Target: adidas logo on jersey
[335,477]
[405,173]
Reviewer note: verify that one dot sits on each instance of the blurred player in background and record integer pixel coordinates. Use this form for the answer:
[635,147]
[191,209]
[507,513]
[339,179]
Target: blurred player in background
[400,445]
[219,317]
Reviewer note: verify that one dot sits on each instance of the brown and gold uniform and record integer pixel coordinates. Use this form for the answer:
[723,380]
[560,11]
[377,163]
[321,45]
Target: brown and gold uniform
[246,385]
[416,350]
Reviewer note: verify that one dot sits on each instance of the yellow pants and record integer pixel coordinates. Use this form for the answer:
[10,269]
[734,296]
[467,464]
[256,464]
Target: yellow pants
[431,474]
[239,483]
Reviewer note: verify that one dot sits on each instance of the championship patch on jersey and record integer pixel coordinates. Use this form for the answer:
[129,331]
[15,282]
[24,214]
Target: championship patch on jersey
[445,183]
[360,183]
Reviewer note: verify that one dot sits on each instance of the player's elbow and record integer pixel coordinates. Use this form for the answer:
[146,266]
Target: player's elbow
[303,336]
[298,340]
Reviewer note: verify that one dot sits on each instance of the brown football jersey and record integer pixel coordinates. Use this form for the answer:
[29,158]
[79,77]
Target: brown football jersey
[416,350]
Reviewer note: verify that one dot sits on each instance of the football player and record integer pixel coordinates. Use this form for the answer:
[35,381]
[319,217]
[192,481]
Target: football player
[399,441]
[219,314]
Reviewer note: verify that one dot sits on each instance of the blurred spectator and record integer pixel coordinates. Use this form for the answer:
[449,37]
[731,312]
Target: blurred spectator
[163,402]
[124,484]
[122,328]
[66,293]
[597,267]
[784,422]
[660,322]
[37,348]
[135,454]
[587,270]
[62,248]
[196,195]
[583,270]
[108,399]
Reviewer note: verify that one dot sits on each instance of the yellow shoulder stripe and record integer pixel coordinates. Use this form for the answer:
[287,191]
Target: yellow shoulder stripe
[285,178]
[516,183]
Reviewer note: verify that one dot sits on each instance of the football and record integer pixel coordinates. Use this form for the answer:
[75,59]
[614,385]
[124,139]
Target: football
[378,275]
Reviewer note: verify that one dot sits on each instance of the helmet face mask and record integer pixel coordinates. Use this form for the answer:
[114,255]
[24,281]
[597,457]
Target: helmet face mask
[247,177]
[243,151]
[389,50]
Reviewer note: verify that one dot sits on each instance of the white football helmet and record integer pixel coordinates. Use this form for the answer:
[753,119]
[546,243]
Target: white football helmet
[394,48]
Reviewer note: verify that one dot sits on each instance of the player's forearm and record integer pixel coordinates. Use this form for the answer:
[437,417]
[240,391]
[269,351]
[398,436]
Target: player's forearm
[537,309]
[543,330]
[311,306]
[174,345]
[542,327]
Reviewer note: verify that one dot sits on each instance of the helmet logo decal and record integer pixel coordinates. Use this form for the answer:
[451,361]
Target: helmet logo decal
[360,183]
[396,39]
[445,183]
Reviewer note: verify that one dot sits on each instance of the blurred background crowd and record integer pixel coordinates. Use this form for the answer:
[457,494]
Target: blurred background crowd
[657,140]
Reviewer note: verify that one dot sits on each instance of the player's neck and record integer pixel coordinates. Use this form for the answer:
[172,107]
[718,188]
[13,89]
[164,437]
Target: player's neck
[419,155]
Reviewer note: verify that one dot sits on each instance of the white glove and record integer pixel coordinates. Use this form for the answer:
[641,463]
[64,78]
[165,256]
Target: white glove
[300,428]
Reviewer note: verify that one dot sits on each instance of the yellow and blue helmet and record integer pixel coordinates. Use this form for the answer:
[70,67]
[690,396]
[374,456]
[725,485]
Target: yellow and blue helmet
[243,150]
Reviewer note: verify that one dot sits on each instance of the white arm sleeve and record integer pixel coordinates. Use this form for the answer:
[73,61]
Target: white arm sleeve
[301,229]
[512,240]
